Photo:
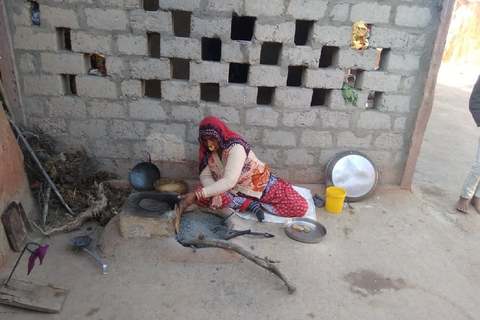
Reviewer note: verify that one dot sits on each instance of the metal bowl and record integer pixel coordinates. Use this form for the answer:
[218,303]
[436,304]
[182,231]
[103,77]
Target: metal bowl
[81,241]
[314,233]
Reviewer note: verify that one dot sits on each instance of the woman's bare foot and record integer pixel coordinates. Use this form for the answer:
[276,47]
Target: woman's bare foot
[462,204]
[476,203]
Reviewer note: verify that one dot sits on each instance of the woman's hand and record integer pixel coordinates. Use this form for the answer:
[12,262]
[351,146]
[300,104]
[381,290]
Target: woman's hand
[189,200]
[216,202]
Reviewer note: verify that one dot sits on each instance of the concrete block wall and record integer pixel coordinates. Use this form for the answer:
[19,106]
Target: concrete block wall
[161,79]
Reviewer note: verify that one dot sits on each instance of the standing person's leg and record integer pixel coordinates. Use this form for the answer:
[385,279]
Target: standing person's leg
[471,188]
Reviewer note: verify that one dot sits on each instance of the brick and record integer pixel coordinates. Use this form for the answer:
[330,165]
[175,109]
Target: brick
[132,88]
[209,72]
[88,43]
[279,138]
[307,9]
[182,5]
[255,8]
[27,62]
[185,48]
[324,78]
[348,139]
[151,21]
[106,19]
[374,120]
[238,95]
[63,63]
[262,116]
[187,113]
[278,32]
[42,85]
[331,36]
[301,119]
[340,12]
[58,17]
[415,17]
[132,45]
[96,87]
[53,127]
[299,157]
[395,103]
[266,76]
[392,141]
[103,109]
[300,56]
[146,109]
[316,139]
[334,119]
[293,98]
[370,13]
[128,129]
[241,52]
[90,128]
[149,68]
[354,59]
[67,106]
[211,28]
[28,38]
[180,91]
[378,81]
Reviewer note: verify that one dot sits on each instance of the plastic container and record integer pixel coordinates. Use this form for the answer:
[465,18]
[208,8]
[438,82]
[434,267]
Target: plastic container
[334,199]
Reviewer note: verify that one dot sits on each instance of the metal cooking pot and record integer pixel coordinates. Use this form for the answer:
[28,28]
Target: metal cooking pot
[144,175]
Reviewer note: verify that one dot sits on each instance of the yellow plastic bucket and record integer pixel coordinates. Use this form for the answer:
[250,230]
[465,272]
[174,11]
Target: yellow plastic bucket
[334,199]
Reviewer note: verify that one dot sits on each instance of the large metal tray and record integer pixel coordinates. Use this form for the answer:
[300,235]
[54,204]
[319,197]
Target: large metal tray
[315,234]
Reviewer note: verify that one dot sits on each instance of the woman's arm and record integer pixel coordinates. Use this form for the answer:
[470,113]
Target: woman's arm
[206,178]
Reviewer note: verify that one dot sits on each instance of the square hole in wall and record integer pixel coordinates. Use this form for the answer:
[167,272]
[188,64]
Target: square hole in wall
[211,49]
[242,28]
[270,53]
[152,88]
[209,91]
[319,96]
[374,100]
[295,75]
[265,95]
[96,64]
[238,73]
[69,84]
[150,5]
[180,68]
[328,56]
[153,40]
[181,23]
[63,39]
[303,30]
[350,76]
[383,55]
[35,13]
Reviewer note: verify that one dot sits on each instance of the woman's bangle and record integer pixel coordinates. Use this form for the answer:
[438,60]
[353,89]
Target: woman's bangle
[199,194]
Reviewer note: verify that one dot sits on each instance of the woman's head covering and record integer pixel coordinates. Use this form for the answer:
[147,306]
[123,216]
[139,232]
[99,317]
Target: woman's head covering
[212,126]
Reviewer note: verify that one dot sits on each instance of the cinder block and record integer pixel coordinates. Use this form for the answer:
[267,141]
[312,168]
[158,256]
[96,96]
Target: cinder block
[400,123]
[388,38]
[413,16]
[88,129]
[292,98]
[335,100]
[316,139]
[102,109]
[181,5]
[355,59]
[392,141]
[403,62]
[151,21]
[121,3]
[241,52]
[146,109]
[22,16]
[209,72]
[67,107]
[262,116]
[42,85]
[255,8]
[28,38]
[374,120]
[229,115]
[279,138]
[268,156]
[370,13]
[58,17]
[378,81]
[106,19]
[187,113]
[330,119]
[299,157]
[300,56]
[112,149]
[180,91]
[128,129]
[185,48]
[266,76]
[301,119]
[167,147]
[88,43]
[53,126]
[132,88]
[33,107]
[96,87]
[238,95]
[27,62]
[277,32]
[149,68]
[63,63]
[307,9]
[348,139]
[332,36]
[225,5]
[324,78]
[178,129]
[211,28]
[132,45]
[340,12]
[114,65]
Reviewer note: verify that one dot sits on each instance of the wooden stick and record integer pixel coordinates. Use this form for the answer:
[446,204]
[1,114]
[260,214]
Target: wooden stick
[45,206]
[218,243]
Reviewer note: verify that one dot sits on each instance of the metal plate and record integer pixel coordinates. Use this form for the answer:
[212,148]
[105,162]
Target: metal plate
[354,172]
[315,233]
